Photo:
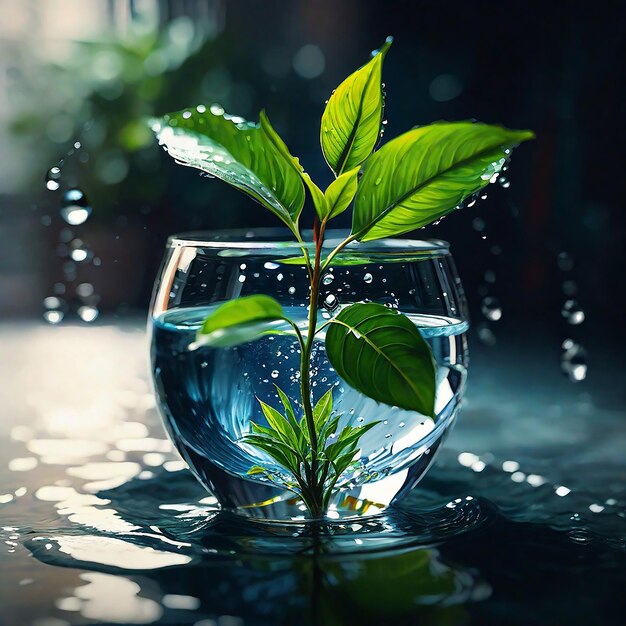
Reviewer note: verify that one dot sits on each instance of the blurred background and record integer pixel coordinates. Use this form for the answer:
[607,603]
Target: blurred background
[87,198]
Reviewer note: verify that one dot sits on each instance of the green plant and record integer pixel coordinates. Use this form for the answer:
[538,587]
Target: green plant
[408,183]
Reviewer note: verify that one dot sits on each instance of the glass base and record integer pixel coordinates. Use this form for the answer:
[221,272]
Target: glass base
[395,528]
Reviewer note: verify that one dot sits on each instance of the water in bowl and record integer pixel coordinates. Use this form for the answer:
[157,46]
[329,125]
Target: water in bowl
[208,398]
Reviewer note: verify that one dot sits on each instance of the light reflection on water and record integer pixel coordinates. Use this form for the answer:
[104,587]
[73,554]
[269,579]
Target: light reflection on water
[93,486]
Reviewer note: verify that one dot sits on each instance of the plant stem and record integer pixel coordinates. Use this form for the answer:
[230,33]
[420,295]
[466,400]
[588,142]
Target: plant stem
[316,487]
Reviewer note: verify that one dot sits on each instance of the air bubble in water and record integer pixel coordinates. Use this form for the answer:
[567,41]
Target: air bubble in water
[491,308]
[574,361]
[328,278]
[330,302]
[88,313]
[573,312]
[368,278]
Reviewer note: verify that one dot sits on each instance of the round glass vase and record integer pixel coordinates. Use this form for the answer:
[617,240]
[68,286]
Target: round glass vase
[208,397]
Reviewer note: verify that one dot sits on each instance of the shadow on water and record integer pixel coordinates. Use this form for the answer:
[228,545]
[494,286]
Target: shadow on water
[455,564]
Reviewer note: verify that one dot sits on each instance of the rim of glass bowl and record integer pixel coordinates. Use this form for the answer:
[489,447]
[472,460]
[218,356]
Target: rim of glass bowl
[272,240]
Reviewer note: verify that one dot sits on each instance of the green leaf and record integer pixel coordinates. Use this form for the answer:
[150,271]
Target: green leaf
[340,192]
[348,438]
[322,410]
[351,121]
[425,173]
[239,321]
[291,418]
[381,353]
[279,451]
[256,469]
[251,157]
[319,200]
[282,427]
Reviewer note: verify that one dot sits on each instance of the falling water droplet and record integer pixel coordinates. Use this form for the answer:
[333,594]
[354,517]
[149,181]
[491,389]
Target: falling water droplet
[75,209]
[478,224]
[491,308]
[485,334]
[328,278]
[565,262]
[573,313]
[52,302]
[569,287]
[88,313]
[52,177]
[574,361]
[291,290]
[53,317]
[274,374]
[504,183]
[368,278]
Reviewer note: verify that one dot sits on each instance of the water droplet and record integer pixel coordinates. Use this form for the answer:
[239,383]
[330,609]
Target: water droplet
[186,115]
[565,262]
[217,109]
[291,290]
[483,196]
[504,183]
[53,317]
[328,278]
[88,313]
[52,177]
[573,312]
[491,308]
[490,276]
[79,254]
[274,374]
[485,334]
[271,266]
[478,224]
[574,361]
[368,278]
[52,302]
[279,277]
[201,108]
[569,287]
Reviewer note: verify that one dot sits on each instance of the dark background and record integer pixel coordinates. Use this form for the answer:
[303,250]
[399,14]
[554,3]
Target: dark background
[92,72]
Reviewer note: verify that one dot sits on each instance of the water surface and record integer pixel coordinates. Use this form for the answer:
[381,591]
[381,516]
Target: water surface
[521,520]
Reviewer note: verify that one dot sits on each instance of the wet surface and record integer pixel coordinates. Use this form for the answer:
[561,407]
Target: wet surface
[521,521]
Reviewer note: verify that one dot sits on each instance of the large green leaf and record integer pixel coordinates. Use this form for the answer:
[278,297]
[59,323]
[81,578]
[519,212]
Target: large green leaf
[351,121]
[251,157]
[380,352]
[239,321]
[425,173]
